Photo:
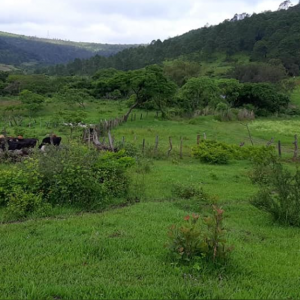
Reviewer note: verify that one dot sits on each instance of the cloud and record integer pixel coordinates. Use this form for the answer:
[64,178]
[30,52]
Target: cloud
[119,21]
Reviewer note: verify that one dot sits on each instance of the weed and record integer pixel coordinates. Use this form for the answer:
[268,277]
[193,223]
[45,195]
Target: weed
[200,238]
[280,196]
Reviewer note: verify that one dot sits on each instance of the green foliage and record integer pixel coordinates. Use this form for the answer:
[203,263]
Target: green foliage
[17,49]
[263,37]
[190,191]
[198,93]
[263,96]
[72,176]
[31,101]
[214,152]
[259,72]
[279,195]
[74,97]
[22,205]
[230,89]
[192,240]
[180,71]
[73,117]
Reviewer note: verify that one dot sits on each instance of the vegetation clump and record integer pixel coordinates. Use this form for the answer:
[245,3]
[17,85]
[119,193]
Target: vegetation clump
[213,152]
[200,238]
[72,176]
[279,193]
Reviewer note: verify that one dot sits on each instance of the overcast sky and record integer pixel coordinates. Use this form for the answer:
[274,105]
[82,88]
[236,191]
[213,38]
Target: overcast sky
[120,21]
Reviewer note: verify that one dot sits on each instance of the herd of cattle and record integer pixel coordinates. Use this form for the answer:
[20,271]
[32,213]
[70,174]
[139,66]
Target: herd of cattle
[20,143]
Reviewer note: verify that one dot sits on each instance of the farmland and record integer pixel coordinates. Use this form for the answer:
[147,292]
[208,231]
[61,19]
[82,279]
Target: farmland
[120,253]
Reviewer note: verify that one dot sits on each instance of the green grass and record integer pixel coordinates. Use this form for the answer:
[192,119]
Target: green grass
[120,253]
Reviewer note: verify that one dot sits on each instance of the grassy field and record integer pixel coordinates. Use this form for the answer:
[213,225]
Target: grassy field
[120,253]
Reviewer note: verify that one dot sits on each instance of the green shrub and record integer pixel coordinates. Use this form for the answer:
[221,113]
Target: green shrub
[22,204]
[131,149]
[71,175]
[264,160]
[214,152]
[189,191]
[279,195]
[199,238]
[26,178]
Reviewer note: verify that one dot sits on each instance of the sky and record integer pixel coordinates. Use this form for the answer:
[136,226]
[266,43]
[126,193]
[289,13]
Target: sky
[120,21]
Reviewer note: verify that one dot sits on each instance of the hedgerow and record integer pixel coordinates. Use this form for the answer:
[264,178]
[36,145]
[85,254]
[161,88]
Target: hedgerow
[72,175]
[213,152]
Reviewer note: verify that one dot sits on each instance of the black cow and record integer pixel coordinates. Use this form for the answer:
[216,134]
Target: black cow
[18,144]
[47,140]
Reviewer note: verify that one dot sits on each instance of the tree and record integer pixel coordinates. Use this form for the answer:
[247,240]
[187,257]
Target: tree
[258,72]
[263,96]
[180,71]
[230,89]
[198,93]
[75,97]
[31,101]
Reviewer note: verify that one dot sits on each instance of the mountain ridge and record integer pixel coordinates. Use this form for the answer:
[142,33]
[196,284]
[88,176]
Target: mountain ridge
[18,49]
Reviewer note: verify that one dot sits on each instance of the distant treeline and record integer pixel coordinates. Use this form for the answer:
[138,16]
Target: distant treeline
[272,37]
[16,50]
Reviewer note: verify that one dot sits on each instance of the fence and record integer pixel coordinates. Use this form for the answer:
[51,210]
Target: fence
[92,137]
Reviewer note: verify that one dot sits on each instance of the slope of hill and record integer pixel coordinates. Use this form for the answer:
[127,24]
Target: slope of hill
[270,37]
[18,49]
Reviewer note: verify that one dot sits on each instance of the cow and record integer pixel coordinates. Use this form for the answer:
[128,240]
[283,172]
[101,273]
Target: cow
[47,141]
[18,144]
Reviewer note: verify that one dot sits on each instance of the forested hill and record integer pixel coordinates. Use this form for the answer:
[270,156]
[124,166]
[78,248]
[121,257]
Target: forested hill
[18,49]
[263,37]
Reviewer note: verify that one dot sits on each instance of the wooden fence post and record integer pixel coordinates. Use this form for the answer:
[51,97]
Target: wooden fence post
[296,147]
[141,118]
[279,148]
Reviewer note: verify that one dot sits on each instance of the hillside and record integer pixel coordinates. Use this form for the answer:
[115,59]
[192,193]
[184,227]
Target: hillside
[269,37]
[19,49]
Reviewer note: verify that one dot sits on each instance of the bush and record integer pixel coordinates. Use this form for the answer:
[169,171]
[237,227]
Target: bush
[72,175]
[200,238]
[189,191]
[21,204]
[264,160]
[214,152]
[279,195]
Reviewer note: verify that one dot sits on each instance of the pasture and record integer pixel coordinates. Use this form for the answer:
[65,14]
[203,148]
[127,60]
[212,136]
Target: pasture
[119,253]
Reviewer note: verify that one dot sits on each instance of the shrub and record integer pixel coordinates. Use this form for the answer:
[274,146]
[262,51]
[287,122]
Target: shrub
[220,153]
[264,160]
[71,175]
[200,238]
[214,152]
[280,195]
[189,191]
[22,204]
